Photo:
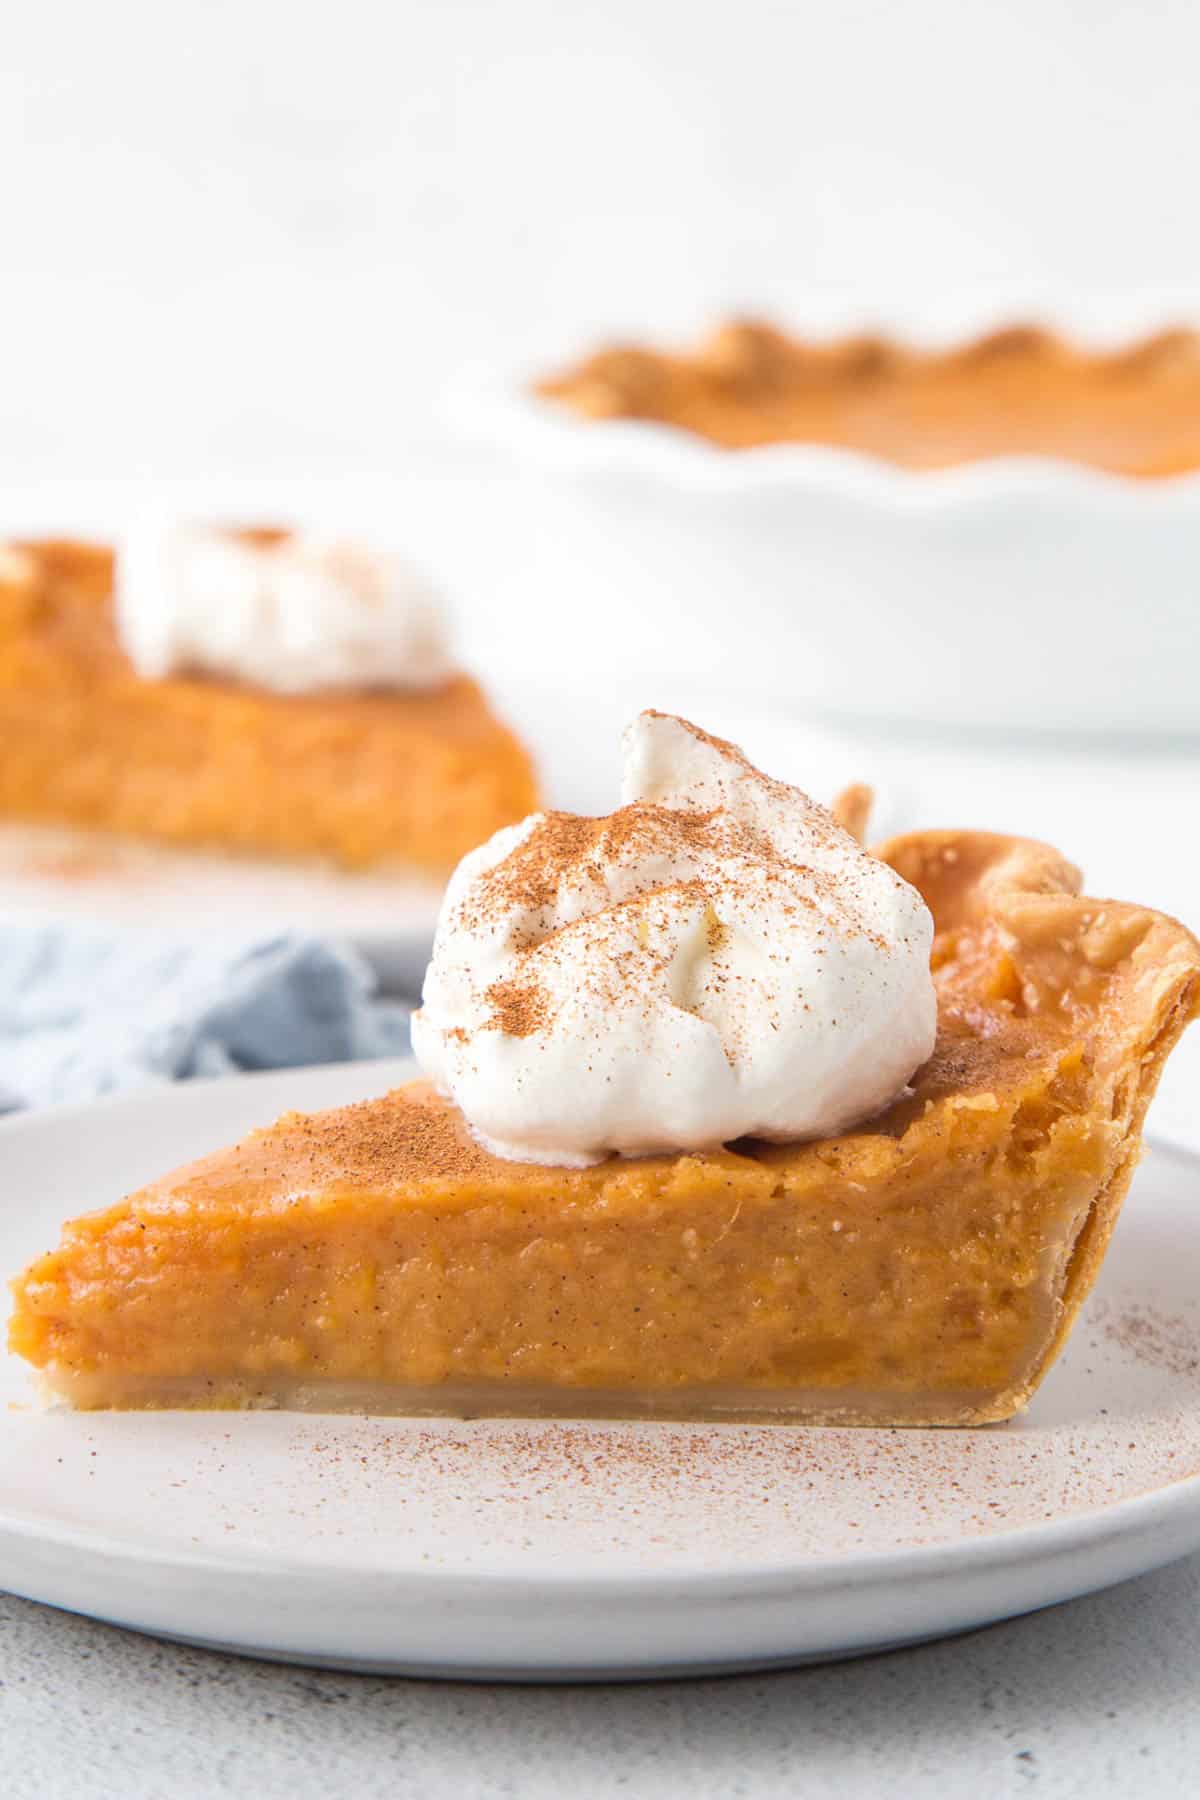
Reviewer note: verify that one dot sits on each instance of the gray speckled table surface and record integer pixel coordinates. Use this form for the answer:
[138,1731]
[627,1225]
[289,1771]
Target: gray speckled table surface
[1095,1698]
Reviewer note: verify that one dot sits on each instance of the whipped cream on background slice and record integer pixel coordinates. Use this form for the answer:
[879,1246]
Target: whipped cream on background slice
[717,959]
[295,613]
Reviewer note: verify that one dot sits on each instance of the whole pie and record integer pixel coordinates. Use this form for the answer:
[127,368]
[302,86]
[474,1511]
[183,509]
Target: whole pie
[1020,391]
[356,776]
[924,1268]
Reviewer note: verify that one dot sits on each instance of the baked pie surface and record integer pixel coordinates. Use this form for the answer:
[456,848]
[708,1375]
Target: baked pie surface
[1021,391]
[923,1269]
[357,778]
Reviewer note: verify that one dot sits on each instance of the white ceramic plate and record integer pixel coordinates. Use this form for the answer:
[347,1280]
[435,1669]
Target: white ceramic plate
[554,1551]
[52,873]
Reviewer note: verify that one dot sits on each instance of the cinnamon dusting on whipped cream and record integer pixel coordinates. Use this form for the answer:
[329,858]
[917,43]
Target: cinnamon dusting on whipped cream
[715,959]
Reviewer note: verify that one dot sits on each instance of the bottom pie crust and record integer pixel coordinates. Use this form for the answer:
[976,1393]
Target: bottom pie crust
[503,1400]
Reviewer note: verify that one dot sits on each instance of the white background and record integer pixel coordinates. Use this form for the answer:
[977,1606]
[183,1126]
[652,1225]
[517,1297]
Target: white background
[251,235]
[256,239]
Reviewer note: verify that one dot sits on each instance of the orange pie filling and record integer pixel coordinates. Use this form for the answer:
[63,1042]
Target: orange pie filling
[924,1268]
[1018,392]
[360,778]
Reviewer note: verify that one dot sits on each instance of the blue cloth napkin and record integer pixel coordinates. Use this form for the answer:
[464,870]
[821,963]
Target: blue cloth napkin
[84,1014]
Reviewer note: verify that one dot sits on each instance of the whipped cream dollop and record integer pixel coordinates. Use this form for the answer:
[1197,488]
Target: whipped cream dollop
[292,611]
[717,959]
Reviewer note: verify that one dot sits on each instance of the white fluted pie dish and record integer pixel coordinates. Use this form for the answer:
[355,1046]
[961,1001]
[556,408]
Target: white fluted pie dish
[1023,592]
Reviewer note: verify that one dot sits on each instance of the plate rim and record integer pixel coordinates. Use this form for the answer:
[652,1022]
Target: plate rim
[985,1553]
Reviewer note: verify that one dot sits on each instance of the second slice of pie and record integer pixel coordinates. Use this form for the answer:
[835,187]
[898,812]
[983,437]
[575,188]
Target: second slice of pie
[254,732]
